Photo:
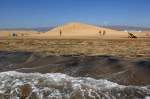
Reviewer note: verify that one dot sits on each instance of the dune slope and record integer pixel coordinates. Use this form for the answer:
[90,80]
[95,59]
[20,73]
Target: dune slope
[83,30]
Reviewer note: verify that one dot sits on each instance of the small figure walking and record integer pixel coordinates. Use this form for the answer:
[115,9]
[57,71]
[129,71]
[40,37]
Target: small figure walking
[100,32]
[60,33]
[14,34]
[104,32]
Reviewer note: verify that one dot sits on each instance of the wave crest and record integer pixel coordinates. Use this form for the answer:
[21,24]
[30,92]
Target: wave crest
[15,85]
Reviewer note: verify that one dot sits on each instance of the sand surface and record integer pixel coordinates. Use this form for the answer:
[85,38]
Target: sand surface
[124,71]
[116,47]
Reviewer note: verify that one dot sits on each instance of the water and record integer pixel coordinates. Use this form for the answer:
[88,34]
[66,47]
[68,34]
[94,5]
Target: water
[15,85]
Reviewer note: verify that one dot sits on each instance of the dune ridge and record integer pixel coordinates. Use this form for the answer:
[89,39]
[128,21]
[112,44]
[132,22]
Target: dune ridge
[84,30]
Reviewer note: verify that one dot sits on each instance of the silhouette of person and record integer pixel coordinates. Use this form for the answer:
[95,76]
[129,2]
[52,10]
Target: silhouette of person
[60,32]
[100,32]
[104,32]
[14,34]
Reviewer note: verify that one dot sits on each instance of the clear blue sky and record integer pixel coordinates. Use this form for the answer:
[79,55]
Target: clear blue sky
[43,13]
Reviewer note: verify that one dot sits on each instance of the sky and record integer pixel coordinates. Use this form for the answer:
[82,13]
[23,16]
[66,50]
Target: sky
[45,13]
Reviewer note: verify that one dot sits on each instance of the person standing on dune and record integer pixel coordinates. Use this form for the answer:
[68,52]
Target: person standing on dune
[104,32]
[60,33]
[100,32]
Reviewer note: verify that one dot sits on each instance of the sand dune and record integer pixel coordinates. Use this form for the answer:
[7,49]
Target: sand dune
[83,30]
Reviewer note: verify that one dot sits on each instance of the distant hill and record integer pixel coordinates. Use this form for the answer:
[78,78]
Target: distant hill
[39,29]
[114,27]
[121,28]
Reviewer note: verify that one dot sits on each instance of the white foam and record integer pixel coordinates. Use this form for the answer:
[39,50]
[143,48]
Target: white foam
[147,97]
[58,86]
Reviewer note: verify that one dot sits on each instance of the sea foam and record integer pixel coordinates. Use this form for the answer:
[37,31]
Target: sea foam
[15,85]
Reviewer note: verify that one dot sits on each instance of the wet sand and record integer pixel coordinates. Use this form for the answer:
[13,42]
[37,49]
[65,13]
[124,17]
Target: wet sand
[124,71]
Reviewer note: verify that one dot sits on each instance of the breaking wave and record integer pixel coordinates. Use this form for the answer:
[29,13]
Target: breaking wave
[15,85]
